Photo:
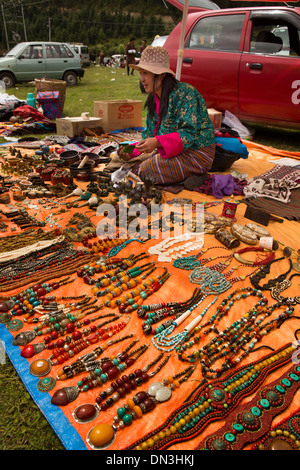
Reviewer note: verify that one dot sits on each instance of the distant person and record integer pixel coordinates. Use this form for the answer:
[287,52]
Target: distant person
[101,58]
[122,62]
[143,46]
[130,55]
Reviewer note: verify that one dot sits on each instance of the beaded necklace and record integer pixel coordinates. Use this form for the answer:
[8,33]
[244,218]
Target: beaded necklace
[37,293]
[121,277]
[284,435]
[281,286]
[191,262]
[155,313]
[212,283]
[222,310]
[234,338]
[212,402]
[118,389]
[102,435]
[88,362]
[250,421]
[109,370]
[66,348]
[255,279]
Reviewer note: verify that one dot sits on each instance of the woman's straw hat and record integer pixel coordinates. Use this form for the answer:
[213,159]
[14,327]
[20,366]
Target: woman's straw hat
[155,60]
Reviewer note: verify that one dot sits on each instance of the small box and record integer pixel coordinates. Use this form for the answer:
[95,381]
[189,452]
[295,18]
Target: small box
[74,126]
[215,117]
[119,114]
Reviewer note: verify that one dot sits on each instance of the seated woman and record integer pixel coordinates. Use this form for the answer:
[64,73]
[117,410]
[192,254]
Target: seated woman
[178,127]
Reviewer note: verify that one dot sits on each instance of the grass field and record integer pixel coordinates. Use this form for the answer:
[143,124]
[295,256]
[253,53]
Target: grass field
[22,425]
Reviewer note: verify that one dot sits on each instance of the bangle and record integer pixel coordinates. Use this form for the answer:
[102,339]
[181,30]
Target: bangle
[242,260]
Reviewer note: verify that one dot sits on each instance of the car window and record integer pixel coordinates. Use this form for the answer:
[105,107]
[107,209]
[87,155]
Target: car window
[58,51]
[222,33]
[33,52]
[275,38]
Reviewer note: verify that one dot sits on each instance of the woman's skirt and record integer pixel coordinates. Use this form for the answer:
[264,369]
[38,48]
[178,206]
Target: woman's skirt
[177,169]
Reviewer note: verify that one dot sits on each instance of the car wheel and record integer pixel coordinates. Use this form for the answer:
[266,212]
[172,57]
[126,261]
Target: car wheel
[70,78]
[8,79]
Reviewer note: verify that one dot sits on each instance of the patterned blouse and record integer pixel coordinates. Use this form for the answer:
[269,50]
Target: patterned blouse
[187,115]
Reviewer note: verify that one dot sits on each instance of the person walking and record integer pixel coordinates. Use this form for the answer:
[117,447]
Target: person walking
[130,55]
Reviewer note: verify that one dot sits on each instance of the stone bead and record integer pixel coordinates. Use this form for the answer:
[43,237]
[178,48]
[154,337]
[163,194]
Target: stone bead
[85,412]
[101,434]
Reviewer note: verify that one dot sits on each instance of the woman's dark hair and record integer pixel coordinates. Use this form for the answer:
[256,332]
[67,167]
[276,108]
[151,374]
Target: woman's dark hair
[168,84]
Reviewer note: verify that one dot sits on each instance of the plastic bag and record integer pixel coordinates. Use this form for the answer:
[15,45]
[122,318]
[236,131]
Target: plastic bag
[234,123]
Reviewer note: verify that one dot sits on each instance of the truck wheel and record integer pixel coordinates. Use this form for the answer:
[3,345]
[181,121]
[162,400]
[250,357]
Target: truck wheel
[8,79]
[70,78]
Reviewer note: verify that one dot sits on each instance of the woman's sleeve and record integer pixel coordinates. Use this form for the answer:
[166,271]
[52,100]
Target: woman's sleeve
[170,145]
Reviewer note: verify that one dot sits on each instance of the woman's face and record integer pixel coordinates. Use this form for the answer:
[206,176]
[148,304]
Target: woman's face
[147,79]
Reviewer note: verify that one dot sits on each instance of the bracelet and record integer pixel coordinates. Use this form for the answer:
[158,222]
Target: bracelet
[242,260]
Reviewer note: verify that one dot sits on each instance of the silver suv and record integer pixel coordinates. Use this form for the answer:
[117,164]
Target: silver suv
[30,60]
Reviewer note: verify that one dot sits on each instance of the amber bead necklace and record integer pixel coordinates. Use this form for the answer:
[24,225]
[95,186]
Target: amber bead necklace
[121,277]
[103,435]
[140,284]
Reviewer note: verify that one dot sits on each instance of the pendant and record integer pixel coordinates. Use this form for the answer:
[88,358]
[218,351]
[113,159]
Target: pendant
[160,392]
[66,395]
[22,339]
[46,384]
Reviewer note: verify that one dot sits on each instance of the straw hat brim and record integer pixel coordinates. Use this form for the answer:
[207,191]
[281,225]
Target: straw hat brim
[157,69]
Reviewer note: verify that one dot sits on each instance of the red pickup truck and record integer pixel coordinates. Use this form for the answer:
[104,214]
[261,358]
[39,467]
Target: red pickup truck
[244,60]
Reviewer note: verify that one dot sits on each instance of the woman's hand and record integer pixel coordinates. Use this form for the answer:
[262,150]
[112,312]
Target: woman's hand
[147,145]
[123,155]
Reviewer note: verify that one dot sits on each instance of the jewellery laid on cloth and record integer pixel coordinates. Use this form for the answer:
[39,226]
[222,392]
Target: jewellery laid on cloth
[17,253]
[66,348]
[59,263]
[283,436]
[118,389]
[155,313]
[165,251]
[119,276]
[256,262]
[244,234]
[281,286]
[228,343]
[103,435]
[212,283]
[262,272]
[223,310]
[63,324]
[213,402]
[109,370]
[250,421]
[88,362]
[37,291]
[192,261]
[116,249]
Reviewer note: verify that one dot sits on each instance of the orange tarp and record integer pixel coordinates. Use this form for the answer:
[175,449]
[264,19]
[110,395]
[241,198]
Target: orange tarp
[179,288]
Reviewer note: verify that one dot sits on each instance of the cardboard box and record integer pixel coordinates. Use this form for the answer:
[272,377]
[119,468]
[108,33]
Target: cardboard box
[216,117]
[119,114]
[75,125]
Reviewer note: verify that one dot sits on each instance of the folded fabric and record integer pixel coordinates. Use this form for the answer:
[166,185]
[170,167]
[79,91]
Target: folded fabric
[222,185]
[233,145]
